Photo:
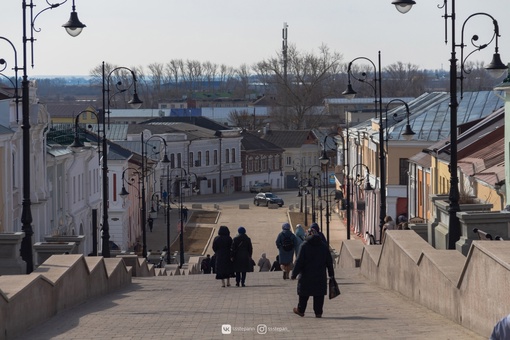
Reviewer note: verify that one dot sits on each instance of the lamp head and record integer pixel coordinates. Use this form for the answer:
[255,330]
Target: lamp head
[408,133]
[123,193]
[496,68]
[324,159]
[403,6]
[349,93]
[165,159]
[74,26]
[135,102]
[368,187]
[77,144]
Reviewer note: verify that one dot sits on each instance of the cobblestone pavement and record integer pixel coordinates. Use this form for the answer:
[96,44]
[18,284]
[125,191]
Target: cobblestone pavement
[197,307]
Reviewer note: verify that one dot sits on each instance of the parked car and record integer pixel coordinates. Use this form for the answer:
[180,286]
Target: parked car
[266,198]
[261,187]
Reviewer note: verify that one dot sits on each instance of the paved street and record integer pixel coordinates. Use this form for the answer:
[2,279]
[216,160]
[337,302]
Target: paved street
[197,307]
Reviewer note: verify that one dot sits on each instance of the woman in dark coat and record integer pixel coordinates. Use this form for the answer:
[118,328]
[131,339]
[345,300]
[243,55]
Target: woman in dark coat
[313,260]
[241,253]
[221,247]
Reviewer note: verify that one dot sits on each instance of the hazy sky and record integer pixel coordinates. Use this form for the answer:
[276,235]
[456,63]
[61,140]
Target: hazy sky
[233,32]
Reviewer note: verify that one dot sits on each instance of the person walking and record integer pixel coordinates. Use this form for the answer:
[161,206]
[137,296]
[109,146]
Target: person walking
[286,243]
[241,253]
[205,265]
[300,235]
[221,247]
[276,265]
[315,226]
[264,264]
[311,264]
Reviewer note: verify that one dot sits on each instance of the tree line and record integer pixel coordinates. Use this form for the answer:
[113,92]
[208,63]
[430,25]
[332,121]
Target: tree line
[298,85]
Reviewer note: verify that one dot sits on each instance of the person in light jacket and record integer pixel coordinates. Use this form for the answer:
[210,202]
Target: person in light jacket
[286,256]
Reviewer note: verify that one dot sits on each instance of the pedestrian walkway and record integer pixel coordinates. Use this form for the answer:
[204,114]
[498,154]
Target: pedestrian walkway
[197,307]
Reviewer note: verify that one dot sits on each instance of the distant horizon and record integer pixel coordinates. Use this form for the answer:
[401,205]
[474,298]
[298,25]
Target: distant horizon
[234,33]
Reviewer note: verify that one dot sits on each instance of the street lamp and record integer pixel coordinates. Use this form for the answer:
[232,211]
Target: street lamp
[141,195]
[324,159]
[77,144]
[496,68]
[182,181]
[311,184]
[350,93]
[135,103]
[144,175]
[26,214]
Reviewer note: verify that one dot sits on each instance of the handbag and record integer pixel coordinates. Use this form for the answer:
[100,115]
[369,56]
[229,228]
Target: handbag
[334,291]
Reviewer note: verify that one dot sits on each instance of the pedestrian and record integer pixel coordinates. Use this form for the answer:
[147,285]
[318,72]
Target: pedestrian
[389,224]
[276,265]
[185,214]
[213,264]
[264,264]
[315,226]
[501,330]
[151,223]
[300,235]
[286,243]
[241,253]
[313,261]
[221,247]
[205,266]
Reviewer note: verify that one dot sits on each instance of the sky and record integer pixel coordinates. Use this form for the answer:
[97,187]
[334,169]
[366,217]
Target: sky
[137,33]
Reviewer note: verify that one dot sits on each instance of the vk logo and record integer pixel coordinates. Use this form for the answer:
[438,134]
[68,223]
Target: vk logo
[226,329]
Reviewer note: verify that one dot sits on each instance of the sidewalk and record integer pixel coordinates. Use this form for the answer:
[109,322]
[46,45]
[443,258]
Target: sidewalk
[197,307]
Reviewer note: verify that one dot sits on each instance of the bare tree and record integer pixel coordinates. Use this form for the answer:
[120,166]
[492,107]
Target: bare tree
[310,80]
[402,79]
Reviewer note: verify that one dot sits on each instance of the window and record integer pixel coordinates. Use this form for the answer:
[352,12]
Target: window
[199,159]
[289,160]
[233,155]
[404,168]
[190,160]
[179,160]
[207,160]
[172,160]
[215,157]
[227,156]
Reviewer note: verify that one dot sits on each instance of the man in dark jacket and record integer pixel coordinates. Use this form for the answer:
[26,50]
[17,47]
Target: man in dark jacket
[313,260]
[241,253]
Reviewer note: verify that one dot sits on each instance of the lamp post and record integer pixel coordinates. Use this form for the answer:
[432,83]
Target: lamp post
[72,26]
[144,175]
[77,144]
[135,103]
[180,180]
[324,159]
[141,194]
[312,178]
[495,68]
[350,93]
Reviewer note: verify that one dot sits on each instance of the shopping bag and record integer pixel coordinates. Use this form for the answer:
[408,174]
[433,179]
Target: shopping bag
[334,291]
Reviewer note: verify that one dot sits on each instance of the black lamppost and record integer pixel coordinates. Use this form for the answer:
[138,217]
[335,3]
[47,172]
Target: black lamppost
[324,159]
[350,93]
[144,175]
[73,27]
[408,132]
[496,68]
[135,103]
[77,144]
[312,179]
[182,183]
[141,195]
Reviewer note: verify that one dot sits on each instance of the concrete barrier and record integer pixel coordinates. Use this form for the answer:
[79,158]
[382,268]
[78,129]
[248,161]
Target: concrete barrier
[61,282]
[472,290]
[244,206]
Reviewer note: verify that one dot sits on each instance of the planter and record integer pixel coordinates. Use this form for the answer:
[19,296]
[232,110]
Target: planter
[492,222]
[10,259]
[45,249]
[78,239]
[442,218]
